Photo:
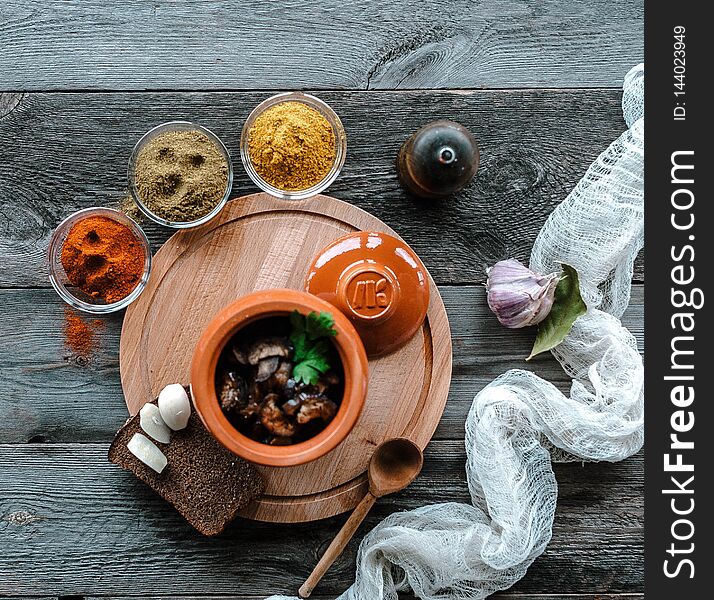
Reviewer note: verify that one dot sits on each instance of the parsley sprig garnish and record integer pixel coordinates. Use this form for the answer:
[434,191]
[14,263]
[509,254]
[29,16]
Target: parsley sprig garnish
[310,339]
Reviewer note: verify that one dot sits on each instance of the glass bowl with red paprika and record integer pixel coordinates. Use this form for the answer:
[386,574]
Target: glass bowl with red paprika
[99,260]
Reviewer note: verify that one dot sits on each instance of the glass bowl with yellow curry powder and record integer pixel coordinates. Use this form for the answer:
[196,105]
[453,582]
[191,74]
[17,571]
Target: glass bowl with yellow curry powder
[293,145]
[180,174]
[99,260]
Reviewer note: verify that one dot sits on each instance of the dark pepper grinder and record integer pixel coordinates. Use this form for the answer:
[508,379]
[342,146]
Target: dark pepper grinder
[438,159]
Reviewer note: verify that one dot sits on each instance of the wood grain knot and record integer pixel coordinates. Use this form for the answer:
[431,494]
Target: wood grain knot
[511,170]
[9,102]
[22,517]
[413,60]
[78,360]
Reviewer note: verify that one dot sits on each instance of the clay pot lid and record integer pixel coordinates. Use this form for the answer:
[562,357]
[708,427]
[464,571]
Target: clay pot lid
[378,282]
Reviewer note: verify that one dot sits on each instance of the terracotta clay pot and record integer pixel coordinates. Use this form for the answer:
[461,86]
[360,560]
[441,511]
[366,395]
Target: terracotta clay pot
[260,305]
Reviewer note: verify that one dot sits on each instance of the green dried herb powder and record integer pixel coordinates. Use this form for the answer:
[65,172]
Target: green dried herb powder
[181,175]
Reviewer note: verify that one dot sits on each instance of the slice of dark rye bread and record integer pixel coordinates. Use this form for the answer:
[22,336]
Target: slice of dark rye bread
[205,482]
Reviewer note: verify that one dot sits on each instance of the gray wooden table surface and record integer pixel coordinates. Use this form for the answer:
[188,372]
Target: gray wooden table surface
[539,84]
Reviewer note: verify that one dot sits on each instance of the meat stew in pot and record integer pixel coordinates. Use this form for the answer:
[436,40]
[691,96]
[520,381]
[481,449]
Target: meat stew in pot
[262,396]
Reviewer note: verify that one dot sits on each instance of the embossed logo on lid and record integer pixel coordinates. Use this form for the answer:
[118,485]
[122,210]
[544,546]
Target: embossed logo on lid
[369,292]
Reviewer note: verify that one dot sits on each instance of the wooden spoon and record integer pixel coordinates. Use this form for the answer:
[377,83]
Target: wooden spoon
[393,466]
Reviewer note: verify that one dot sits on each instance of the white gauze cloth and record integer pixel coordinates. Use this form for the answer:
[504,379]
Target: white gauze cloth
[520,422]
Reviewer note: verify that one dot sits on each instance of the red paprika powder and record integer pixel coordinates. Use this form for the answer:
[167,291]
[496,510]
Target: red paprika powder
[103,258]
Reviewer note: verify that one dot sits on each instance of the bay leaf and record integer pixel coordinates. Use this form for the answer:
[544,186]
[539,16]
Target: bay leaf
[568,305]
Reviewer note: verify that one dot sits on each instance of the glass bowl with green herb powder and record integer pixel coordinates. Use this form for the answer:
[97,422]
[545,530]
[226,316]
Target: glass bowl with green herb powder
[293,145]
[180,174]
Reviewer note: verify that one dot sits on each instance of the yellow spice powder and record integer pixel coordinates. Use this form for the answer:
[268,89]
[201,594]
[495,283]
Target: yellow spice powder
[291,146]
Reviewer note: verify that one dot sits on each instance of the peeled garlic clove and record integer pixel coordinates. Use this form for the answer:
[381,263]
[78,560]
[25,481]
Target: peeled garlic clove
[174,406]
[147,452]
[152,423]
[518,296]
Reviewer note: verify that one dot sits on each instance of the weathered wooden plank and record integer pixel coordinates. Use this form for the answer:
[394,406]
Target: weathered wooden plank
[501,596]
[62,152]
[49,394]
[229,44]
[74,524]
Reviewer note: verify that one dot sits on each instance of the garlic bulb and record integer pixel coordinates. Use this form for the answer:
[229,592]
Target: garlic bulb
[174,406]
[518,296]
[152,423]
[147,452]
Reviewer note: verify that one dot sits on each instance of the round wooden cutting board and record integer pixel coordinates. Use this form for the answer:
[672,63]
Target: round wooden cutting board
[259,242]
